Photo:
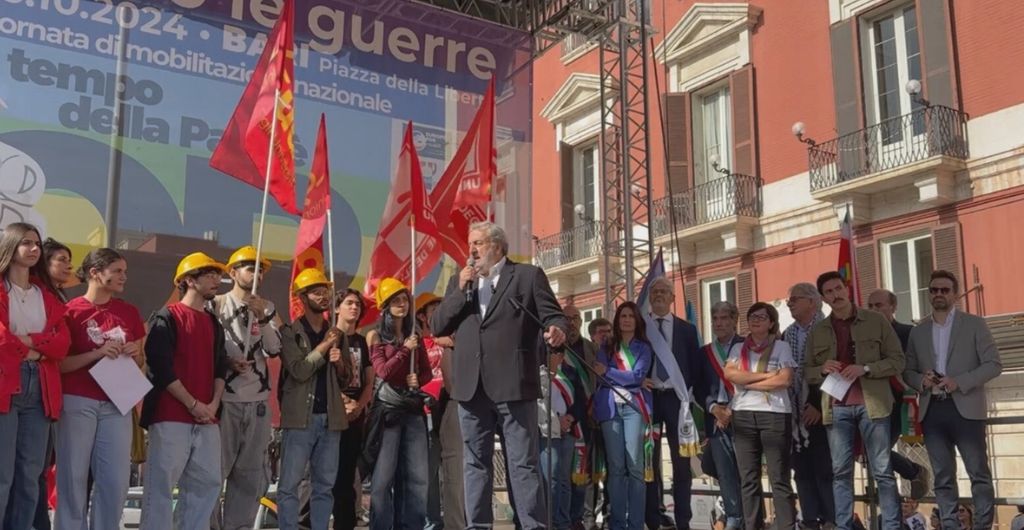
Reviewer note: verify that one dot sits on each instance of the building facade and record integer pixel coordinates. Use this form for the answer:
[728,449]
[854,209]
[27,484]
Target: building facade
[770,121]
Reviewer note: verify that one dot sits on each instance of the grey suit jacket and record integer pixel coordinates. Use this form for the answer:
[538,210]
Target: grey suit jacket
[973,361]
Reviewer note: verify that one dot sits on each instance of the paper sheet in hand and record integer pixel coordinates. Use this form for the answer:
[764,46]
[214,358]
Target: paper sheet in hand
[122,380]
[836,385]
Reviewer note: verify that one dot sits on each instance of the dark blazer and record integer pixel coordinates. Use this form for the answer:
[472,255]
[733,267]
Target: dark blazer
[714,384]
[500,349]
[686,350]
[903,332]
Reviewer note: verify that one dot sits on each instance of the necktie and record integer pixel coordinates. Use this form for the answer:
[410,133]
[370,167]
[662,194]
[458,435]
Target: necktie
[659,368]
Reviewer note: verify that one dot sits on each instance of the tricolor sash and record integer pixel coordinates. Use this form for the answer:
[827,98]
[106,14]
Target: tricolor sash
[626,361]
[718,363]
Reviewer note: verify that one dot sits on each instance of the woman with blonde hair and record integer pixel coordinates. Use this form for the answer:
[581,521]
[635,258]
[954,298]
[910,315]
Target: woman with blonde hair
[33,341]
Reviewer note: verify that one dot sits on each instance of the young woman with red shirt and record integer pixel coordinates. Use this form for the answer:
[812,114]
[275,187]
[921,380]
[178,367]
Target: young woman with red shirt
[92,434]
[33,341]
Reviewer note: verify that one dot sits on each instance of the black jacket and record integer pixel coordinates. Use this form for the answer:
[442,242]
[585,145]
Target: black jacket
[500,349]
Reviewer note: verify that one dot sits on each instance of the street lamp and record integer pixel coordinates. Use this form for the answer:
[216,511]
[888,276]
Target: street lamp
[798,131]
[714,164]
[913,87]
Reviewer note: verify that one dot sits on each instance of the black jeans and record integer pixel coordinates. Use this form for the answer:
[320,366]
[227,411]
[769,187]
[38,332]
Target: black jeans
[345,508]
[945,430]
[769,434]
[812,467]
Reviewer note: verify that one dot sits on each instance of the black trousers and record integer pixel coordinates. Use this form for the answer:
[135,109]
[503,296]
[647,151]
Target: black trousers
[812,468]
[769,434]
[666,410]
[345,508]
[945,432]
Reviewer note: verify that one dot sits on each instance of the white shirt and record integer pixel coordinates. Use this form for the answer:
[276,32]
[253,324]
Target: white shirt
[756,400]
[666,331]
[940,339]
[27,312]
[486,285]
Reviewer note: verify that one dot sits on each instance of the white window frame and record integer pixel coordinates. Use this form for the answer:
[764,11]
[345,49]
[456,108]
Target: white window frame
[579,154]
[589,315]
[917,311]
[707,302]
[705,172]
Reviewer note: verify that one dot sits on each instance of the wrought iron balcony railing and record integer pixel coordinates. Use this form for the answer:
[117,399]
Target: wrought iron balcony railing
[890,144]
[575,244]
[714,200]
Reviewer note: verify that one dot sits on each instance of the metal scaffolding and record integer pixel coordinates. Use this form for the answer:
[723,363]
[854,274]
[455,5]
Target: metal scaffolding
[621,28]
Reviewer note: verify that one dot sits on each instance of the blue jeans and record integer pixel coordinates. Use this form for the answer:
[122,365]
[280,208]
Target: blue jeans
[561,484]
[24,432]
[624,448]
[724,454]
[398,490]
[846,421]
[314,448]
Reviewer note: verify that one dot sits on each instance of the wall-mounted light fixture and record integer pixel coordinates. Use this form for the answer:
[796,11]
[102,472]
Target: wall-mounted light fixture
[798,131]
[913,87]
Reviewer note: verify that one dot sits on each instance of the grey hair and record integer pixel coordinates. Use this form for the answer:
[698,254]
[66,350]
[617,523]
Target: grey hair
[493,232]
[663,280]
[808,290]
[726,306]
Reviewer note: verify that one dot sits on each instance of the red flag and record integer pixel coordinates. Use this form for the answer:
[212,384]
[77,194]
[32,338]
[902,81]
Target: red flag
[845,265]
[309,240]
[407,204]
[476,173]
[243,149]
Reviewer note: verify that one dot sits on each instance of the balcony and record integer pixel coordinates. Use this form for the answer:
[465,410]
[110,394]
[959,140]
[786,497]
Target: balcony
[924,148]
[727,208]
[583,243]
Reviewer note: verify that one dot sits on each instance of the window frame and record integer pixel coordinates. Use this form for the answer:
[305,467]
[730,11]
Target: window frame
[917,309]
[703,171]
[589,314]
[869,66]
[707,303]
[579,179]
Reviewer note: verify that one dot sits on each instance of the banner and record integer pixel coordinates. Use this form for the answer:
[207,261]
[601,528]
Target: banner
[368,66]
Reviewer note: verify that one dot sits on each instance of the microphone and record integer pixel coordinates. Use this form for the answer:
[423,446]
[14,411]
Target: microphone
[468,288]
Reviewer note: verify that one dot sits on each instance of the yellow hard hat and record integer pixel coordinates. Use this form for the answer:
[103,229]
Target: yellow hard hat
[194,262]
[388,288]
[425,299]
[310,278]
[247,254]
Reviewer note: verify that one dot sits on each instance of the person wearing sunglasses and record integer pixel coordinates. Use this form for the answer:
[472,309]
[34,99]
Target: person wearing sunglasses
[950,358]
[860,347]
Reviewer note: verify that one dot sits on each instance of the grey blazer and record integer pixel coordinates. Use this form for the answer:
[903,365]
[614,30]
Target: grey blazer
[973,361]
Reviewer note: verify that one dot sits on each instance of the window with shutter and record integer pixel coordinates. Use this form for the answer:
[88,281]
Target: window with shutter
[946,240]
[846,86]
[746,295]
[744,122]
[691,293]
[867,269]
[677,124]
[567,177]
[714,291]
[907,264]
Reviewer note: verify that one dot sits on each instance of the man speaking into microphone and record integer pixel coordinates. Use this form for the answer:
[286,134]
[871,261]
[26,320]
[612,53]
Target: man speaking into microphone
[495,376]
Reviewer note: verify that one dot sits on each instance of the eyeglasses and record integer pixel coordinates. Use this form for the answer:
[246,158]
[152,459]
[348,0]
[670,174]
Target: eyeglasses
[758,317]
[937,290]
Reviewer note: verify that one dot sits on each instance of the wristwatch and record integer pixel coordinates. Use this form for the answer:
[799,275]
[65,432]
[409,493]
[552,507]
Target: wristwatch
[867,369]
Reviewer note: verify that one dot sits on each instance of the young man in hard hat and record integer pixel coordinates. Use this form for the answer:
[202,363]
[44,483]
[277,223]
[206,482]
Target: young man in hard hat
[314,370]
[188,364]
[245,417]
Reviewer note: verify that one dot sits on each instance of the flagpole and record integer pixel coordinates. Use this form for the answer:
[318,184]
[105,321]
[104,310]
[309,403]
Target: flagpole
[330,267]
[412,288]
[853,261]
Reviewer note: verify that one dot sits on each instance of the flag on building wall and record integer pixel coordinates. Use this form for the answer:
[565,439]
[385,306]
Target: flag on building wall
[846,267]
[309,240]
[244,147]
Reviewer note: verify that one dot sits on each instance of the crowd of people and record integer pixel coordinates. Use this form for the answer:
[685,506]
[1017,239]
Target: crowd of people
[415,404]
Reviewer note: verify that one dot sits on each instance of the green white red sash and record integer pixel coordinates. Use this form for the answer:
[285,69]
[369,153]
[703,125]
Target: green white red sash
[626,361]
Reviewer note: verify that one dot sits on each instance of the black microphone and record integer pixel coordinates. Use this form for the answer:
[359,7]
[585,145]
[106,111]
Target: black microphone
[468,288]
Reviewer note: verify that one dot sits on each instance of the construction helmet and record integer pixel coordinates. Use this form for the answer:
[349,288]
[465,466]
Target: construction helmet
[310,278]
[387,289]
[425,299]
[247,254]
[195,261]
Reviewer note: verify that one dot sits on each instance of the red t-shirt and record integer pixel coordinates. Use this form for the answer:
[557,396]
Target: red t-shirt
[846,353]
[193,362]
[92,325]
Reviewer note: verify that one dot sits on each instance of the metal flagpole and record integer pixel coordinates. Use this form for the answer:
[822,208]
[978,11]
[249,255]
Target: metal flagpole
[330,267]
[263,219]
[412,288]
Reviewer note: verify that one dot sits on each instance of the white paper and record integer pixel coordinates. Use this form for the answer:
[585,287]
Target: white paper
[836,385]
[917,522]
[122,380]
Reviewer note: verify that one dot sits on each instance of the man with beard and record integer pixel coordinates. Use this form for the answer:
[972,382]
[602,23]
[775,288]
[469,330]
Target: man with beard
[188,364]
[861,347]
[495,376]
[245,416]
[950,357]
[314,370]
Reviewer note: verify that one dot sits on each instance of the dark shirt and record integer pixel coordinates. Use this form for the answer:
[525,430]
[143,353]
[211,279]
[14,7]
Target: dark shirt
[846,353]
[360,362]
[903,332]
[320,392]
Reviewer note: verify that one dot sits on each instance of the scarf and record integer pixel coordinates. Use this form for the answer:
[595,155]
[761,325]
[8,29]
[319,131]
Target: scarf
[689,440]
[626,361]
[579,456]
[798,390]
[581,371]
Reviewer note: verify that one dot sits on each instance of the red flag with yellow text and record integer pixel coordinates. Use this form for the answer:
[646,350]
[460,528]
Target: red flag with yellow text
[243,148]
[309,240]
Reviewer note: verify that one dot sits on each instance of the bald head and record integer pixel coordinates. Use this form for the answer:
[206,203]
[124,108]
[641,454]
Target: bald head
[883,301]
[575,321]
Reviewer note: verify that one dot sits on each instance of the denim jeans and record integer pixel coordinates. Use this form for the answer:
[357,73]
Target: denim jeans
[724,454]
[846,421]
[24,431]
[624,448]
[398,490]
[434,521]
[314,448]
[92,437]
[185,455]
[560,481]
